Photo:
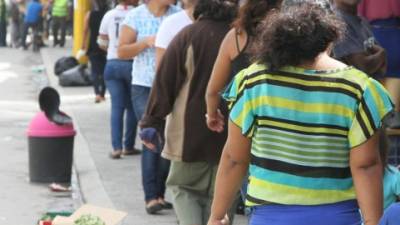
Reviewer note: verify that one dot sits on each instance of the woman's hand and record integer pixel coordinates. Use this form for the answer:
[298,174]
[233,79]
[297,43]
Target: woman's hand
[215,122]
[150,41]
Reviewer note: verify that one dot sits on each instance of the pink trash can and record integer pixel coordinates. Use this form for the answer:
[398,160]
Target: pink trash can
[50,150]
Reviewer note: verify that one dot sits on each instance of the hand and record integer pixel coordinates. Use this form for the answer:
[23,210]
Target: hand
[150,138]
[150,41]
[80,54]
[383,58]
[224,221]
[382,70]
[376,48]
[216,122]
[149,145]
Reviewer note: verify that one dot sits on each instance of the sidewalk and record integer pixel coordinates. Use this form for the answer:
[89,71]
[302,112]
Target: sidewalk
[22,202]
[104,182]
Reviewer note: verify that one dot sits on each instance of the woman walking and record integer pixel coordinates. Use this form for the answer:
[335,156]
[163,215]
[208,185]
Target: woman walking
[305,126]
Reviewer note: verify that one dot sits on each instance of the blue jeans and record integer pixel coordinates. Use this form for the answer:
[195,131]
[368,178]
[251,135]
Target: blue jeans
[154,168]
[117,75]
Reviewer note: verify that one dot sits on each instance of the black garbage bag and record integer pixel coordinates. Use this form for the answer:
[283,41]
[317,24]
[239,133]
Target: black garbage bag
[77,76]
[64,64]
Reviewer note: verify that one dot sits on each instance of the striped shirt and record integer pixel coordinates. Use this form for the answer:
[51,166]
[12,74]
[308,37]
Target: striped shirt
[303,124]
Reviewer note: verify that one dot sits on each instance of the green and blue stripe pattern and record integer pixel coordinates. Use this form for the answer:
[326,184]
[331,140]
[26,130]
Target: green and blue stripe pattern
[303,124]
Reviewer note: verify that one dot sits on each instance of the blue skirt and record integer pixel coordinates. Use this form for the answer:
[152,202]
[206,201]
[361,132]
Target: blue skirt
[387,33]
[342,213]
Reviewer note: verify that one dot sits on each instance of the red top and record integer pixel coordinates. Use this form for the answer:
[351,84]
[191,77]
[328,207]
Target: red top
[379,9]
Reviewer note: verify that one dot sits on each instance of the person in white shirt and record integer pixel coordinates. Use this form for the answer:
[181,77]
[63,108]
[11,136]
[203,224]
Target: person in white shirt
[171,26]
[117,76]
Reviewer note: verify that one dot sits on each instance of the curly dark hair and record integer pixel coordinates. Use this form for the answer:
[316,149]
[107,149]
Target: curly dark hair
[217,10]
[252,13]
[296,34]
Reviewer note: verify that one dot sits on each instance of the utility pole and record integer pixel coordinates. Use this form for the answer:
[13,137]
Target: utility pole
[81,7]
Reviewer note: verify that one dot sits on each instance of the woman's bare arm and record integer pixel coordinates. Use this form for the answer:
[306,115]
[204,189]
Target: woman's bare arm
[218,80]
[366,169]
[103,37]
[231,171]
[129,47]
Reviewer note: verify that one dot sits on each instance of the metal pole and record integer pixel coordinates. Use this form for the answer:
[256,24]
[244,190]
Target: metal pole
[81,7]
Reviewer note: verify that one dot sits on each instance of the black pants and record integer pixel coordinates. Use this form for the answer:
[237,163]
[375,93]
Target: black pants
[3,33]
[59,23]
[97,64]
[25,31]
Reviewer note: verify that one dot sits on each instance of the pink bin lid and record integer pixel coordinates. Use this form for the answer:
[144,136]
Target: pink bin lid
[40,126]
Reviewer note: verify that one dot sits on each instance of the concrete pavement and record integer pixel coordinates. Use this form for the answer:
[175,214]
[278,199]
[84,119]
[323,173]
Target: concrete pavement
[22,202]
[102,181]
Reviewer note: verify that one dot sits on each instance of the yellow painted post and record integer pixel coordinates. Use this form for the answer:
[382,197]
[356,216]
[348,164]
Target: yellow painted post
[81,7]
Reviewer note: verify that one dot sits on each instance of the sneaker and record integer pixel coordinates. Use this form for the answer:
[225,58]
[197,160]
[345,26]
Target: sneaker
[116,154]
[131,152]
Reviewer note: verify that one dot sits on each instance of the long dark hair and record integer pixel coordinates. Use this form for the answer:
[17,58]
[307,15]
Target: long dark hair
[252,13]
[217,10]
[383,147]
[99,5]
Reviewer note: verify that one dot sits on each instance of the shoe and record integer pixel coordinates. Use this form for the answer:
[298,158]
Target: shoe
[154,209]
[167,205]
[97,99]
[116,154]
[131,152]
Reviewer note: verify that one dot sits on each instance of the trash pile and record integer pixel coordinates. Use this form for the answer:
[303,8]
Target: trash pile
[70,73]
[87,215]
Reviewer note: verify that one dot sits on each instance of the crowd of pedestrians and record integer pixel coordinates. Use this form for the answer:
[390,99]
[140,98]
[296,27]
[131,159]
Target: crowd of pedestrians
[35,19]
[283,101]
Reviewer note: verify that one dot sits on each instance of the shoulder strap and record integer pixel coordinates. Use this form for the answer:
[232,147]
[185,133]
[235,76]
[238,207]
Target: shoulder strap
[237,41]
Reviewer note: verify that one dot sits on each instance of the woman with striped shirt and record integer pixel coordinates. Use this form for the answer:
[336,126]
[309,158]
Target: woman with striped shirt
[305,126]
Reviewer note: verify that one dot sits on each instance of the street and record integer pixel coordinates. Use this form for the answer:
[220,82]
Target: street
[102,181]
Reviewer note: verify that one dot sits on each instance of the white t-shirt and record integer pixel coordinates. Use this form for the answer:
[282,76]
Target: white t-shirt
[170,27]
[111,25]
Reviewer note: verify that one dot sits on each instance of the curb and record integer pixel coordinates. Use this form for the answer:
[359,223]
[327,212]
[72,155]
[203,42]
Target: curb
[88,183]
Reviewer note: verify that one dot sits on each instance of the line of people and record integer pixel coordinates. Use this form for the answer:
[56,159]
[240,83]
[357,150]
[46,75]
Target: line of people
[300,130]
[35,17]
